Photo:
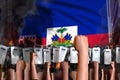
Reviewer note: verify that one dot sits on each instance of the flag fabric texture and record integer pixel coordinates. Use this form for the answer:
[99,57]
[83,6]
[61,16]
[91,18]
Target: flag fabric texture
[90,17]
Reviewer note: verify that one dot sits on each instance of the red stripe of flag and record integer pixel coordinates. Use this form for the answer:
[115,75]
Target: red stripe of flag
[94,39]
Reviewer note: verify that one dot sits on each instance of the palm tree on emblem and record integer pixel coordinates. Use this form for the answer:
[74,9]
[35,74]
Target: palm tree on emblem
[61,31]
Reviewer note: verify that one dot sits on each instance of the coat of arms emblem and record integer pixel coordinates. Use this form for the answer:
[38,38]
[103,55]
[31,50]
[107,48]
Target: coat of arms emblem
[62,36]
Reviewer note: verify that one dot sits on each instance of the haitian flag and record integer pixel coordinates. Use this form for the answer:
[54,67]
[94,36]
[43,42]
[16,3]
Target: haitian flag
[90,18]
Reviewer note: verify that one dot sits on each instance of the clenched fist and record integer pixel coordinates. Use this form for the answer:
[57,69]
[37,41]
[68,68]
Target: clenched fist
[20,65]
[80,43]
[33,56]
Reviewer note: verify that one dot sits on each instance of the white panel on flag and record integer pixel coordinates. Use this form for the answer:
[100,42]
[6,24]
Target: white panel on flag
[39,59]
[107,56]
[73,55]
[47,55]
[96,54]
[26,54]
[67,33]
[3,53]
[15,54]
[118,54]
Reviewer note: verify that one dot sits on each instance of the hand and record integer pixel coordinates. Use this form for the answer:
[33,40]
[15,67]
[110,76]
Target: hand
[27,67]
[96,70]
[112,71]
[95,64]
[20,65]
[33,56]
[65,70]
[47,65]
[80,43]
[64,65]
[113,65]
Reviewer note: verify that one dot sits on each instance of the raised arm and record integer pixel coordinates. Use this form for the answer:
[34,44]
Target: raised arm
[81,45]
[33,70]
[19,69]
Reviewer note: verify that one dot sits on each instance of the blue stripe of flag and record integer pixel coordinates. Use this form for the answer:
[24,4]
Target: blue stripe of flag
[89,16]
